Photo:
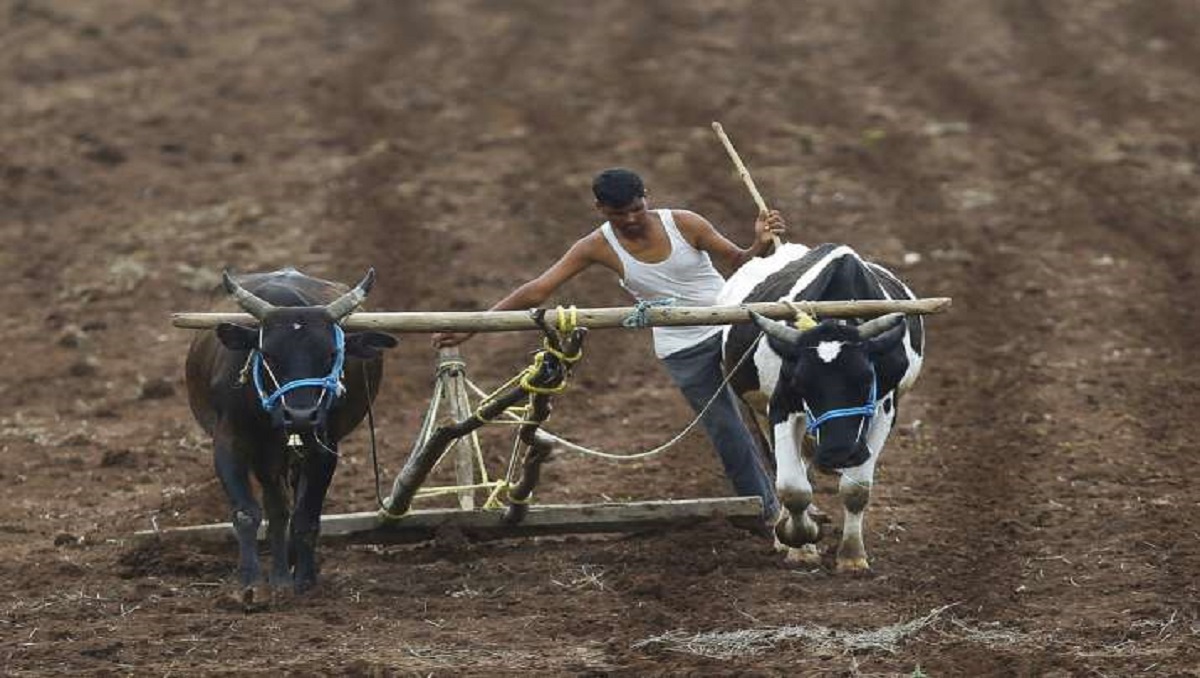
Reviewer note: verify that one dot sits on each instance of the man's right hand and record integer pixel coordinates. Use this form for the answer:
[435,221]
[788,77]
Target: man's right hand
[449,339]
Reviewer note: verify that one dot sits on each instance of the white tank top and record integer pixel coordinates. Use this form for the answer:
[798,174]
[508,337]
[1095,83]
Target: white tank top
[687,275]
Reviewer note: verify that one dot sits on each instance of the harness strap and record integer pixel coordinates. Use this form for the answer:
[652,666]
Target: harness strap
[867,410]
[331,383]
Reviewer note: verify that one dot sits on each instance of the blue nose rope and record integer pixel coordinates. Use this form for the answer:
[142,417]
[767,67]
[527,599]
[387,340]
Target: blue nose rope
[330,384]
[867,410]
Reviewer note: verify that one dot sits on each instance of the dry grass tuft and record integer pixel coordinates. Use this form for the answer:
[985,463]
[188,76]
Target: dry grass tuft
[731,644]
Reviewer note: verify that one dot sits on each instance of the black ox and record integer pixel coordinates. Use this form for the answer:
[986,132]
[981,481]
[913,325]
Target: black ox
[276,400]
[829,388]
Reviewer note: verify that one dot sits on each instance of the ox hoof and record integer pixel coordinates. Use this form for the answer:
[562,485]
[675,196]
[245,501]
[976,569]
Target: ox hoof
[797,533]
[805,556]
[244,599]
[818,516]
[853,566]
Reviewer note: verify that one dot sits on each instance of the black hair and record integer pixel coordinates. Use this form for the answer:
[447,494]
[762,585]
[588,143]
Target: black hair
[617,187]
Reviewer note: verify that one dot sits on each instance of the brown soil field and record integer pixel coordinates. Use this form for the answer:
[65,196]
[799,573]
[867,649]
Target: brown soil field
[1036,512]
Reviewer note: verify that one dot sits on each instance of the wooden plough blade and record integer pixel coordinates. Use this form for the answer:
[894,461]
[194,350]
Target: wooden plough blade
[423,524]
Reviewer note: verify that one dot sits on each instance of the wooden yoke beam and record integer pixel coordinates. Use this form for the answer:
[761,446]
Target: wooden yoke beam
[591,318]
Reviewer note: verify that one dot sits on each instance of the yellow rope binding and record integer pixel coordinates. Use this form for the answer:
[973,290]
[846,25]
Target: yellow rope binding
[568,321]
[531,372]
[565,325]
[803,321]
[493,500]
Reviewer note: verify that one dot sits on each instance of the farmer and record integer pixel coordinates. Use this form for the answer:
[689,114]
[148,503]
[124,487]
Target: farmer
[667,254]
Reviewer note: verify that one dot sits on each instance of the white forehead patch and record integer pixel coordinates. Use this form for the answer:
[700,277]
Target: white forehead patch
[828,350]
[296,326]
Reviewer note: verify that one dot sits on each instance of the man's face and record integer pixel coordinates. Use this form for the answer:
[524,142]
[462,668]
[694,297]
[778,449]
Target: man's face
[632,220]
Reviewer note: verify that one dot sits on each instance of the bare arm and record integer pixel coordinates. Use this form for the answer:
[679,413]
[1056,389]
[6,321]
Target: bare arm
[533,293]
[538,290]
[727,255]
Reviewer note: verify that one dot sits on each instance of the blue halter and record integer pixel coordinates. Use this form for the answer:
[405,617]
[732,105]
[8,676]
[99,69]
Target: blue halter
[867,410]
[330,384]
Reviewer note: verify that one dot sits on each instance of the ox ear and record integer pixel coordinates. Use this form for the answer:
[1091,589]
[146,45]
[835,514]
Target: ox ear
[368,345]
[236,337]
[890,363]
[883,343]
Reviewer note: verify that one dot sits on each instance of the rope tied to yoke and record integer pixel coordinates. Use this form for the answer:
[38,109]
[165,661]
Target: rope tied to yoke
[568,320]
[638,318]
[574,447]
[449,366]
[566,323]
[803,320]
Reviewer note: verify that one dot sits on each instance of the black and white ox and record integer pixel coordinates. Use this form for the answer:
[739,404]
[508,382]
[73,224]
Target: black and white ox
[276,400]
[835,382]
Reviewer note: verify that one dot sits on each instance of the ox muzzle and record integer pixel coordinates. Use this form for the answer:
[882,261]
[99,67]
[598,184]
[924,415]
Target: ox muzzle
[308,409]
[843,444]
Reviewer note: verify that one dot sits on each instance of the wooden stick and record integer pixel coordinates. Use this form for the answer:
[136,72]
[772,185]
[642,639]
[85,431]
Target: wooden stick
[743,173]
[592,318]
[423,524]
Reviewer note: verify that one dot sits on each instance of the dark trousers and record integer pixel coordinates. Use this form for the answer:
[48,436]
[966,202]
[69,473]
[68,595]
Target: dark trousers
[697,372]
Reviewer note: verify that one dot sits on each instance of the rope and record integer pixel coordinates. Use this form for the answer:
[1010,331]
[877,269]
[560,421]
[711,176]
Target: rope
[448,365]
[493,500]
[574,447]
[803,321]
[487,398]
[451,489]
[638,317]
[371,428]
[430,419]
[567,322]
[508,485]
[526,377]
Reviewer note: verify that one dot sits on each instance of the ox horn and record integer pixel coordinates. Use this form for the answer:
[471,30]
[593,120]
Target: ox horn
[343,305]
[245,298]
[780,331]
[879,325]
